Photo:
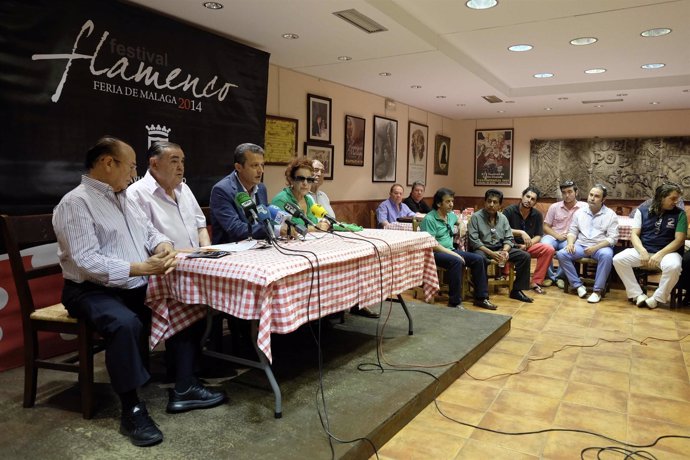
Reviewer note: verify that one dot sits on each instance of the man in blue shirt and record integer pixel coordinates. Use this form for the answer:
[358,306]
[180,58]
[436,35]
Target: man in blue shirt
[389,210]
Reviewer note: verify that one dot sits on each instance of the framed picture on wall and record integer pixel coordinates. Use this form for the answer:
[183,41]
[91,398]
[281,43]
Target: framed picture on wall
[354,140]
[319,119]
[417,137]
[280,145]
[441,155]
[385,149]
[493,157]
[323,153]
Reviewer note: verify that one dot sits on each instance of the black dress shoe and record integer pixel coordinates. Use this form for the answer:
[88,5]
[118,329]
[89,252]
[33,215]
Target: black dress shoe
[484,303]
[519,295]
[196,397]
[364,311]
[136,424]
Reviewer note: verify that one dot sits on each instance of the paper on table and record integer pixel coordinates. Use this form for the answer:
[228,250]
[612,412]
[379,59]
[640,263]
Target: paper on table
[233,247]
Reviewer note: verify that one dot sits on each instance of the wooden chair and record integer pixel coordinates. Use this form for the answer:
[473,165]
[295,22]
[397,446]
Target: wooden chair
[586,267]
[372,219]
[495,276]
[643,273]
[30,231]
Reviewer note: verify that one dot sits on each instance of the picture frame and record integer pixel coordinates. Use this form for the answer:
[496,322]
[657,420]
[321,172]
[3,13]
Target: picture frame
[319,119]
[323,153]
[493,157]
[280,140]
[385,149]
[355,128]
[417,142]
[441,155]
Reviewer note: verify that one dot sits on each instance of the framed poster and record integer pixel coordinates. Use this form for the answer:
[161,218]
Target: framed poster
[280,145]
[354,140]
[385,149]
[417,136]
[493,157]
[323,153]
[441,155]
[319,119]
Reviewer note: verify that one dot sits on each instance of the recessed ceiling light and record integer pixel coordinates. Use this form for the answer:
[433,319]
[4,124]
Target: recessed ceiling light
[656,32]
[213,5]
[653,66]
[519,48]
[655,103]
[598,106]
[543,75]
[591,71]
[583,41]
[481,4]
[290,36]
[562,98]
[686,90]
[440,97]
[415,86]
[500,111]
[548,109]
[344,58]
[385,74]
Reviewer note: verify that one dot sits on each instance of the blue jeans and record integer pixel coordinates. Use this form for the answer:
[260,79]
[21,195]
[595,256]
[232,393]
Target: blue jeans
[557,246]
[603,256]
[455,267]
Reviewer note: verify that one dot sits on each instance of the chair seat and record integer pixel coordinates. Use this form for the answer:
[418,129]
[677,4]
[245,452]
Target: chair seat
[56,312]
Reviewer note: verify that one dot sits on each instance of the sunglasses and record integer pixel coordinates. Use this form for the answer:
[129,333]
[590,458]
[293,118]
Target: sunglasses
[311,180]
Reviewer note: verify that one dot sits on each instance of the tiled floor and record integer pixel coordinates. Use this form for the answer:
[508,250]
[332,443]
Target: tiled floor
[624,390]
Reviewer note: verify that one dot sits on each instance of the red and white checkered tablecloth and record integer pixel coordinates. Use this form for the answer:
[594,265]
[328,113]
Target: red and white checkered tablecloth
[406,226]
[624,228]
[274,288]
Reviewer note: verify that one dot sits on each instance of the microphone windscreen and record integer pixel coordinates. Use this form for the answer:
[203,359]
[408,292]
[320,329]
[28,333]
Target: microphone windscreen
[263,213]
[318,210]
[242,197]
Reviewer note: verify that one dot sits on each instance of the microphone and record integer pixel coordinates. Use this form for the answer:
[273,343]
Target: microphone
[245,202]
[297,212]
[320,212]
[281,217]
[265,219]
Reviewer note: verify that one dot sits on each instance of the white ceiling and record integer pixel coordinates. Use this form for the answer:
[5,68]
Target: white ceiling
[453,51]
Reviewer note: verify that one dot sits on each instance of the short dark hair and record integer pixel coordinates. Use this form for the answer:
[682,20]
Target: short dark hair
[440,193]
[533,189]
[159,147]
[601,187]
[418,182]
[106,145]
[242,149]
[567,184]
[396,185]
[494,192]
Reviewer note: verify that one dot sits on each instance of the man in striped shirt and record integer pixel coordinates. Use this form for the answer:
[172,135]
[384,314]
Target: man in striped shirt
[107,249]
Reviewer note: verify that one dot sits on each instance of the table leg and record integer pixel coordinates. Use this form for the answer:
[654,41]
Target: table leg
[399,299]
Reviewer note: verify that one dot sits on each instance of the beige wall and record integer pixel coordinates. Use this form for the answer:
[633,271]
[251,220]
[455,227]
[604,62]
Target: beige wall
[287,97]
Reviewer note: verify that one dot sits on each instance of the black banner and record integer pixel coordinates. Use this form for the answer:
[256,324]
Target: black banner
[73,70]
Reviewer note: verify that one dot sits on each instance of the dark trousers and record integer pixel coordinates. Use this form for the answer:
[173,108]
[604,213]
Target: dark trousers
[455,267]
[121,318]
[521,260]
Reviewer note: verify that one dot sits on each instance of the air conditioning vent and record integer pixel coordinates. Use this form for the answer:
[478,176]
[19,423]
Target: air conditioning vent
[601,101]
[357,19]
[492,99]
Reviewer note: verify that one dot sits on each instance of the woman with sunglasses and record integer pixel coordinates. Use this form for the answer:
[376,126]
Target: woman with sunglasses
[299,177]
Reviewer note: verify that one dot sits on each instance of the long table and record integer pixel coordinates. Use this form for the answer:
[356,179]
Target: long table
[279,290]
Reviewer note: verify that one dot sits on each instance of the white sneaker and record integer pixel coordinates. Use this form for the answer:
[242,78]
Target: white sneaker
[639,300]
[581,292]
[650,303]
[594,298]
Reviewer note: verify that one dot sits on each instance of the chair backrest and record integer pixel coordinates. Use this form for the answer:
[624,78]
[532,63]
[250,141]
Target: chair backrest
[372,219]
[23,232]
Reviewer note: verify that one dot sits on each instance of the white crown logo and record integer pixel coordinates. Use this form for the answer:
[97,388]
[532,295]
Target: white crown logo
[158,130]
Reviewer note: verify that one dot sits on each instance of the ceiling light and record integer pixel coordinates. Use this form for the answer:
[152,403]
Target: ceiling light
[360,21]
[591,71]
[290,36]
[686,90]
[583,41]
[518,48]
[655,103]
[440,97]
[500,111]
[653,66]
[548,109]
[598,106]
[481,4]
[543,75]
[213,5]
[656,32]
[415,86]
[385,74]
[344,58]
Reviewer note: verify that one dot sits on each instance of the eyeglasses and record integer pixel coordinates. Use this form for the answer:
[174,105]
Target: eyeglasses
[311,180]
